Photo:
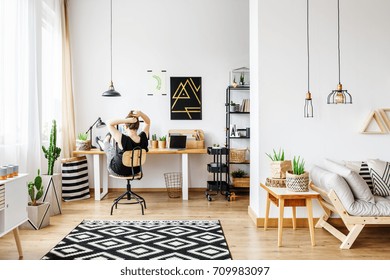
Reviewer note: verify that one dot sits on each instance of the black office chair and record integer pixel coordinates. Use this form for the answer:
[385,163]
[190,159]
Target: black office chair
[133,158]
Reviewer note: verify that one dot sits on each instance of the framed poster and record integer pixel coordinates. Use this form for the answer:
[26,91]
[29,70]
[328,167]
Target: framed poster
[186,98]
[156,82]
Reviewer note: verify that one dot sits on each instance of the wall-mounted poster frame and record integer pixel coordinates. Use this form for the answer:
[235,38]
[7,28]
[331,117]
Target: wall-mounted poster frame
[186,98]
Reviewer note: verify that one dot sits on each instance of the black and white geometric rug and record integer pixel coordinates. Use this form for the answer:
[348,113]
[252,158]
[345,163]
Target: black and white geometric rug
[143,240]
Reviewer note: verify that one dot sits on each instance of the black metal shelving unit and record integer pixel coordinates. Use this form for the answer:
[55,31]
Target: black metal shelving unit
[229,114]
[219,169]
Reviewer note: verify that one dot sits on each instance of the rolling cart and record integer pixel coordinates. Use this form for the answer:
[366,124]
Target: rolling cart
[220,171]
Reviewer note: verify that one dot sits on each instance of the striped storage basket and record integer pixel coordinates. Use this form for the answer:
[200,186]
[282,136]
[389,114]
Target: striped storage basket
[75,185]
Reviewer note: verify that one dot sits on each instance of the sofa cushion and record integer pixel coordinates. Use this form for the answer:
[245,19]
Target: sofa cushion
[361,167]
[380,174]
[359,187]
[327,181]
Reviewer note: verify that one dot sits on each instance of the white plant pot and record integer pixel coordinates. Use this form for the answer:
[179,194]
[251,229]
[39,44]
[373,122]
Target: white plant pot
[83,145]
[52,192]
[38,216]
[297,183]
[279,168]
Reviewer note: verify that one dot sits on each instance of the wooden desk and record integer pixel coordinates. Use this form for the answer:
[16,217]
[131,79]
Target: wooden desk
[282,197]
[98,156]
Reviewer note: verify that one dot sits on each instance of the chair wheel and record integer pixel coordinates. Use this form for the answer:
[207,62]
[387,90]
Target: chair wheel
[209,197]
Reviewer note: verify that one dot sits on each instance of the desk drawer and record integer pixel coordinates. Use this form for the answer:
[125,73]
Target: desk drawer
[2,197]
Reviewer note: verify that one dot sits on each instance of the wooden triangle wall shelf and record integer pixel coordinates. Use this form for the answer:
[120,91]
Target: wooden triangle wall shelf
[383,125]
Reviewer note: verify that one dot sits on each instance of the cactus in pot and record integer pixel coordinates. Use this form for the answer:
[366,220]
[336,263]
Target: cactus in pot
[52,152]
[35,189]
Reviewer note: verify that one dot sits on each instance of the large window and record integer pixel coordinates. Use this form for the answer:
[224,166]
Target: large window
[30,79]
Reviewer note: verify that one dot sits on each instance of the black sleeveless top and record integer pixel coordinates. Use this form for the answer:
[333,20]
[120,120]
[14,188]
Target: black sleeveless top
[127,144]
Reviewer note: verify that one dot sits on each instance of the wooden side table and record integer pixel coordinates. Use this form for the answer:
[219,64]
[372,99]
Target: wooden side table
[282,197]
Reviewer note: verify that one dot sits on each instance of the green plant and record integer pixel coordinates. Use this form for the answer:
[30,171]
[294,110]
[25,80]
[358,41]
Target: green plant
[162,138]
[298,166]
[239,173]
[232,103]
[35,189]
[277,156]
[82,136]
[154,137]
[52,153]
[242,78]
[216,145]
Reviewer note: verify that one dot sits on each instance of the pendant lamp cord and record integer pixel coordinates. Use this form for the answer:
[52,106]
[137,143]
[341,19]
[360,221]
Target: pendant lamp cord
[338,35]
[111,37]
[308,51]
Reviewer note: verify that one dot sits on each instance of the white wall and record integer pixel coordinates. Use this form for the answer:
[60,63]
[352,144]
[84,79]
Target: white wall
[365,72]
[187,38]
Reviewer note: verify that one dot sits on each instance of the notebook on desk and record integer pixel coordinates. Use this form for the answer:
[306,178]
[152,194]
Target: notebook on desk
[177,142]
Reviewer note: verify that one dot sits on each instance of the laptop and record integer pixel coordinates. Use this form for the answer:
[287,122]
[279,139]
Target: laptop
[177,142]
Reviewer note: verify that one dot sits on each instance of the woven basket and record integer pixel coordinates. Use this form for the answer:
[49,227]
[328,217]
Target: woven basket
[297,183]
[276,183]
[241,182]
[237,155]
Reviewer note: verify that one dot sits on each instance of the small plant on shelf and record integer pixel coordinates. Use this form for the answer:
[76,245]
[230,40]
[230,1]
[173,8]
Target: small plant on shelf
[163,138]
[239,173]
[242,79]
[162,142]
[154,137]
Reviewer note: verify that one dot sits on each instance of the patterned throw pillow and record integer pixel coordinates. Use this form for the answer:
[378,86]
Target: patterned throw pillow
[380,174]
[361,167]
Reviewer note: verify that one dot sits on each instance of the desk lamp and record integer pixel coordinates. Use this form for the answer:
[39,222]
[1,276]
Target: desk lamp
[99,124]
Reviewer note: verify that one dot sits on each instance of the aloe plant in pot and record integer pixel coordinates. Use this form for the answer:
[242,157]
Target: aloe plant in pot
[279,166]
[297,179]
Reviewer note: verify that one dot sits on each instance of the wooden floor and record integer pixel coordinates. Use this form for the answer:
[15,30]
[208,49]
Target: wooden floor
[245,241]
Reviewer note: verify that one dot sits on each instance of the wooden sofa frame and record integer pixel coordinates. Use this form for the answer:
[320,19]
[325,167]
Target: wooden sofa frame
[354,224]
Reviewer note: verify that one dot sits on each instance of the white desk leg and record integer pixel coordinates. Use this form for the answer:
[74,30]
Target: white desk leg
[96,175]
[184,170]
[105,177]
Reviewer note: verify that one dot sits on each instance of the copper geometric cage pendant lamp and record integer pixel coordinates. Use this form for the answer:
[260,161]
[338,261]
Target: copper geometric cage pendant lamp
[339,95]
[308,109]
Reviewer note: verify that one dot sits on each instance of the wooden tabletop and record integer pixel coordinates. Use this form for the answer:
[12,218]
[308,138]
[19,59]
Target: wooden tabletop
[284,193]
[151,151]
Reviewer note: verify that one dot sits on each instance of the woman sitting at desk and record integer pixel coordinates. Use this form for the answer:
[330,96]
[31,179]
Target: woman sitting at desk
[125,142]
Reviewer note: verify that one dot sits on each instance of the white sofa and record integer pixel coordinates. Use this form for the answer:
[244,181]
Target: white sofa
[359,192]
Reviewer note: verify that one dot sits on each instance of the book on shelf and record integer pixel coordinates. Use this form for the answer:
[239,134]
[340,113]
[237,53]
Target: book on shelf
[245,105]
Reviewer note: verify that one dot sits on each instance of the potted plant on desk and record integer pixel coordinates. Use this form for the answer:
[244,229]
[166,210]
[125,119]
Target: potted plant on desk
[162,142]
[38,216]
[82,142]
[154,141]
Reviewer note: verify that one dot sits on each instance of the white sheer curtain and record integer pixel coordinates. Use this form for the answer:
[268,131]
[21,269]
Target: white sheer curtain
[28,96]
